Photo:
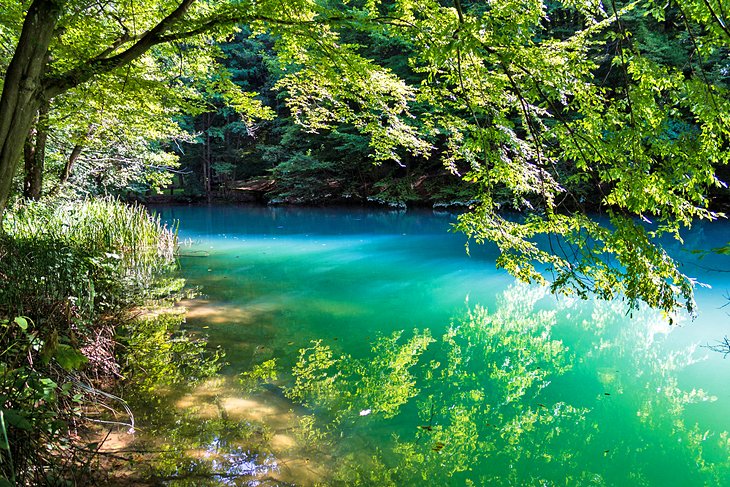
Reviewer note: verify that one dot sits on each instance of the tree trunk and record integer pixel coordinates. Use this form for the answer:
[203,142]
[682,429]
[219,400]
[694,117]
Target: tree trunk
[28,155]
[70,162]
[68,168]
[22,90]
[207,173]
[35,155]
[73,157]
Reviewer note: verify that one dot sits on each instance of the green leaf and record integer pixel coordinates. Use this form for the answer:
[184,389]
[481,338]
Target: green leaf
[69,358]
[16,419]
[5,482]
[21,322]
[48,384]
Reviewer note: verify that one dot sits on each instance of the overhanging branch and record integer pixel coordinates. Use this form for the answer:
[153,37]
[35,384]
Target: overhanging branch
[76,76]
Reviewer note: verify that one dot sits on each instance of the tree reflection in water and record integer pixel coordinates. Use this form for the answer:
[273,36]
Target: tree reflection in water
[498,399]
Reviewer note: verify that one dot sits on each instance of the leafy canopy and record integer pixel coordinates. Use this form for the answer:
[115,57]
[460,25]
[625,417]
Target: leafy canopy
[533,117]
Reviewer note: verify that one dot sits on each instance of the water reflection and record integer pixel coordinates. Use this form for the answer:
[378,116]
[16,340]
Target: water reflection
[534,391]
[497,400]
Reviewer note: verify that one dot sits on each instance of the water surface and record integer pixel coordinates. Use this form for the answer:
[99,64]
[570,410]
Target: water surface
[515,387]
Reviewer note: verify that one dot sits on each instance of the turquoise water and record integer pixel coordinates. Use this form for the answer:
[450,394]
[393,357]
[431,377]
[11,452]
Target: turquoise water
[513,387]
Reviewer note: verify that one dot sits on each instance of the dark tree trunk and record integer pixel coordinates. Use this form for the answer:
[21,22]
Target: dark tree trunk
[73,157]
[28,155]
[70,162]
[22,90]
[207,173]
[35,155]
[29,161]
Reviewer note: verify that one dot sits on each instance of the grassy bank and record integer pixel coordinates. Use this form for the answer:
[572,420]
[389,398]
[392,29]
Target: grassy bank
[70,275]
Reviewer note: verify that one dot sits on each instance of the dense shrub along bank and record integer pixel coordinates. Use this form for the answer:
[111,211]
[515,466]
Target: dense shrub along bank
[70,272]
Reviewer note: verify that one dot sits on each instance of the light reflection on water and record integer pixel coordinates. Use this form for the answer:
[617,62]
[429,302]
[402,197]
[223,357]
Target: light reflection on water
[237,463]
[274,278]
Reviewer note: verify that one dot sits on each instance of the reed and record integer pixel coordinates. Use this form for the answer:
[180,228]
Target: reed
[80,258]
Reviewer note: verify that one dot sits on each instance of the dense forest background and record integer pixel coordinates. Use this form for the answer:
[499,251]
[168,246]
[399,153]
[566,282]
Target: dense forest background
[134,136]
[279,161]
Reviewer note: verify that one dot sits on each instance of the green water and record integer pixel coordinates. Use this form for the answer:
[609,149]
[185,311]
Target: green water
[514,386]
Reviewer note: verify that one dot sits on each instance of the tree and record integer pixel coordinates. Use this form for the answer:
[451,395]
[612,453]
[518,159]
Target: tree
[114,132]
[65,44]
[68,44]
[35,154]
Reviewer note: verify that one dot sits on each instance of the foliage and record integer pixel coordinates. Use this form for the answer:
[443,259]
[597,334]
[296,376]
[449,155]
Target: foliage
[120,129]
[526,112]
[36,409]
[263,373]
[72,260]
[640,269]
[346,387]
[552,109]
[334,165]
[158,354]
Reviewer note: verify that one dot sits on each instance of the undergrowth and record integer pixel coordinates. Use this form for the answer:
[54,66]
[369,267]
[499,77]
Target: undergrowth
[70,272]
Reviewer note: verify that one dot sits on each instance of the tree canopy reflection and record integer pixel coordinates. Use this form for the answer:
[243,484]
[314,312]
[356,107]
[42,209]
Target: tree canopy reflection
[501,399]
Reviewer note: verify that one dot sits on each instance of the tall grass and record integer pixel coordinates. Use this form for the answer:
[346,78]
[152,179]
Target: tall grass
[80,258]
[68,273]
[99,226]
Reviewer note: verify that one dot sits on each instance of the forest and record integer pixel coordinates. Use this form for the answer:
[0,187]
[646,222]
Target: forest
[580,147]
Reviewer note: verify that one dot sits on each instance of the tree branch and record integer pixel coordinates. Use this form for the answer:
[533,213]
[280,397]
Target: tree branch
[717,18]
[84,72]
[161,34]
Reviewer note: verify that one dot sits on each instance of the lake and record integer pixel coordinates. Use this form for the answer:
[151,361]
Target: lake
[401,360]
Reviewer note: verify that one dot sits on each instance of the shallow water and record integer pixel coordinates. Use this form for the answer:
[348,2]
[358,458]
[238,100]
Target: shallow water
[540,390]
